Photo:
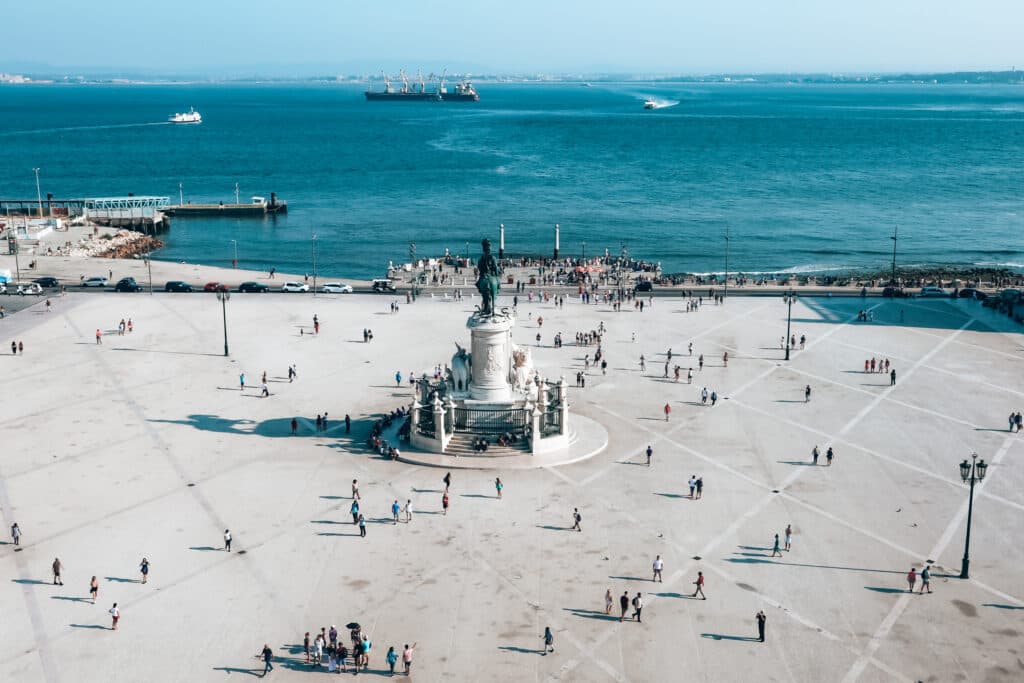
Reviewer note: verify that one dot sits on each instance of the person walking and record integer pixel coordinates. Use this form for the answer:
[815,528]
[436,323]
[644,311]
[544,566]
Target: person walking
[692,484]
[267,655]
[354,511]
[704,396]
[264,390]
[144,568]
[638,606]
[391,658]
[295,426]
[714,397]
[892,377]
[623,604]
[94,589]
[408,511]
[305,646]
[789,537]
[395,509]
[407,656]
[99,337]
[227,540]
[761,619]
[444,504]
[911,579]
[828,456]
[609,601]
[699,583]
[775,547]
[115,616]
[668,410]
[650,452]
[398,379]
[16,534]
[447,481]
[362,526]
[498,486]
[355,489]
[549,640]
[576,518]
[700,487]
[348,424]
[700,363]
[658,566]
[241,381]
[57,567]
[926,579]
[815,454]
[807,393]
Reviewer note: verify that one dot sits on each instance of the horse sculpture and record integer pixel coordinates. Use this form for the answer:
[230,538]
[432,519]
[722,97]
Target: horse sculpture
[462,368]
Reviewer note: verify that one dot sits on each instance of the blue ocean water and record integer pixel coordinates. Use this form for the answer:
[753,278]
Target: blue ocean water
[805,177]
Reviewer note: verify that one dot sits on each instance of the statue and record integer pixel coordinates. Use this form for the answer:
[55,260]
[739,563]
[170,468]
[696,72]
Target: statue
[462,368]
[488,281]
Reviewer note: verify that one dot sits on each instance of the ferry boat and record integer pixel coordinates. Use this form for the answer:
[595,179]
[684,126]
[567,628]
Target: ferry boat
[191,116]
[650,104]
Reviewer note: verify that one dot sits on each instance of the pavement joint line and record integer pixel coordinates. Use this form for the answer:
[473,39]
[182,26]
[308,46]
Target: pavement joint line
[883,630]
[881,456]
[978,347]
[966,377]
[47,662]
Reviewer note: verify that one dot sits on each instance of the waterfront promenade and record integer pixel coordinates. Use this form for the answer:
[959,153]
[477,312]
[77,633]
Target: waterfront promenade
[145,446]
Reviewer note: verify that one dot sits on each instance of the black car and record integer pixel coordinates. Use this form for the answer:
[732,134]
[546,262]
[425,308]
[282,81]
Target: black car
[972,293]
[893,292]
[384,287]
[645,286]
[257,287]
[127,284]
[47,281]
[177,286]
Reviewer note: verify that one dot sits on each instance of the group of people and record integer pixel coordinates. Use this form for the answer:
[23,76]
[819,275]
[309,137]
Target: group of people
[327,643]
[1016,422]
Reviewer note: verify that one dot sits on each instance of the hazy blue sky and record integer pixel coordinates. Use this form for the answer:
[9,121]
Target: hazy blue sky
[219,36]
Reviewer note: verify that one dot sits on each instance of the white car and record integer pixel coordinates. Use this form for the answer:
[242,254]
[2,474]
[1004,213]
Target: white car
[932,291]
[30,288]
[336,288]
[97,281]
[294,287]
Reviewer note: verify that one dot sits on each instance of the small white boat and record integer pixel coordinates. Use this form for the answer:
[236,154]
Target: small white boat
[650,104]
[191,116]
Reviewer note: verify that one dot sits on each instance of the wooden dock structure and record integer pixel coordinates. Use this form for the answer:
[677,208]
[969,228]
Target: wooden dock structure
[258,207]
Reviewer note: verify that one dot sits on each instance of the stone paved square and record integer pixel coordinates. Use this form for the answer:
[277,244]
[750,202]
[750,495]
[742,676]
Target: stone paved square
[145,446]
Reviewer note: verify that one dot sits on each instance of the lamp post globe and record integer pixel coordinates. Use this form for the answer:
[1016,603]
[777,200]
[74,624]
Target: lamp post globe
[223,297]
[789,298]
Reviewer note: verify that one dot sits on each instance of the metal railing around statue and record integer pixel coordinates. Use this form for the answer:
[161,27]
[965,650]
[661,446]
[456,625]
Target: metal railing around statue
[426,425]
[489,421]
[552,422]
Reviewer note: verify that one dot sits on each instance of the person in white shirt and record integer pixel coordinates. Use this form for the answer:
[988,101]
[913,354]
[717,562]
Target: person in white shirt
[115,616]
[658,566]
[408,511]
[227,540]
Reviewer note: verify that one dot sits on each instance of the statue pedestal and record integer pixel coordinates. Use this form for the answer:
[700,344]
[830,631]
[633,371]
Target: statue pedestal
[492,357]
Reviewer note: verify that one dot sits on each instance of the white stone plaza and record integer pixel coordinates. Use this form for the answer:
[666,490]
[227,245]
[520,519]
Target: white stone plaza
[145,446]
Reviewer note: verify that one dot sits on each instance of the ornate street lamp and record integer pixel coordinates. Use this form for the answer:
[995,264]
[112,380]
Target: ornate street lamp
[789,298]
[223,297]
[970,472]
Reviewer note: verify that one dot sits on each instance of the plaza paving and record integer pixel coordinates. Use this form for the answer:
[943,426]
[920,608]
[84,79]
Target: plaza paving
[145,446]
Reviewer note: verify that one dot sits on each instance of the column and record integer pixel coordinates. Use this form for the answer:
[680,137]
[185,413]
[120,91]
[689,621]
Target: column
[556,240]
[501,243]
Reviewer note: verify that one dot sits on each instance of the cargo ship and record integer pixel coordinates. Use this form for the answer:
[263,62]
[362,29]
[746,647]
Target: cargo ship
[463,92]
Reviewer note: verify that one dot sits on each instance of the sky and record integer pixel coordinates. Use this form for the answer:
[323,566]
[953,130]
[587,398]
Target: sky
[307,37]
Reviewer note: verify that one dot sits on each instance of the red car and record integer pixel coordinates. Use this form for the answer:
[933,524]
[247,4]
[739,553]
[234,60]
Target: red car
[215,287]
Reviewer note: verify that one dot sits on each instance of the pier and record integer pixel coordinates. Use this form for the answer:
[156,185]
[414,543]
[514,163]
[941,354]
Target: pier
[257,207]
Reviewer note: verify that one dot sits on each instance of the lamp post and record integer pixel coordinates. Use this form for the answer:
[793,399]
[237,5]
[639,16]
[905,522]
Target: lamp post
[895,233]
[970,472]
[181,195]
[236,193]
[149,266]
[223,297]
[789,298]
[39,194]
[234,261]
[314,264]
[726,294]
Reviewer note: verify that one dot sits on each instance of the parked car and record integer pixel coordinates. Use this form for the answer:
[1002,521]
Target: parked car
[127,284]
[294,287]
[215,287]
[253,287]
[177,286]
[336,288]
[972,293]
[645,286]
[932,292]
[96,281]
[893,292]
[384,286]
[1011,296]
[47,281]
[29,288]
